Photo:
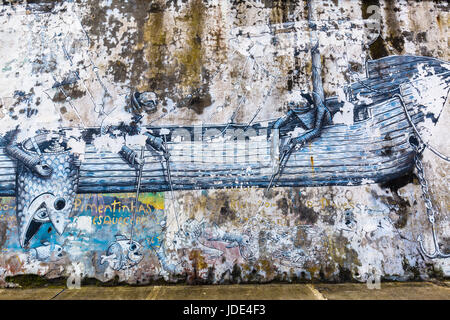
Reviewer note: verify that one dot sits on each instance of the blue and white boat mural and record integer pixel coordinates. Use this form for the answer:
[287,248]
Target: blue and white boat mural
[371,132]
[377,146]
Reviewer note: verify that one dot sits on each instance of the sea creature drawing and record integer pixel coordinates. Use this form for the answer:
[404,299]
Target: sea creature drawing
[200,234]
[123,253]
[47,179]
[275,241]
[46,252]
[163,260]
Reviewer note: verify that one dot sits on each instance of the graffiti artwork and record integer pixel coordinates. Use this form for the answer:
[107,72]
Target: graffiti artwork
[71,185]
[123,253]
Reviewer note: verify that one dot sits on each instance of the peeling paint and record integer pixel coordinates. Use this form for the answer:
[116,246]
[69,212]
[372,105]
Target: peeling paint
[75,65]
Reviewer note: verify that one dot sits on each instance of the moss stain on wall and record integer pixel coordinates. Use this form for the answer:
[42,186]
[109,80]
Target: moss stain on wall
[155,49]
[191,59]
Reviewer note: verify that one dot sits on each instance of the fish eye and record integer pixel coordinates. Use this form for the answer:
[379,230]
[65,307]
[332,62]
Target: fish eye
[60,204]
[42,214]
[133,247]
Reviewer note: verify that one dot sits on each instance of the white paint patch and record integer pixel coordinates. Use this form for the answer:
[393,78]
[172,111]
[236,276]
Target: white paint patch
[84,223]
[107,143]
[345,116]
[136,140]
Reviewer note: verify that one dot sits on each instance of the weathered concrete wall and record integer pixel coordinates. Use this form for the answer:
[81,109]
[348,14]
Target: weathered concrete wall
[217,52]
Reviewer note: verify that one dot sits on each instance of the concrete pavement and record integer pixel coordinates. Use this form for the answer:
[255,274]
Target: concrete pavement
[347,291]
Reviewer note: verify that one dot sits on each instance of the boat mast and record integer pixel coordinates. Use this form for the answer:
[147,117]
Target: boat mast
[318,93]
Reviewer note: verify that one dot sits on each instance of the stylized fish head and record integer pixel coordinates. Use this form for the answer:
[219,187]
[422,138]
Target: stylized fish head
[50,198]
[134,252]
[131,249]
[248,246]
[126,253]
[48,252]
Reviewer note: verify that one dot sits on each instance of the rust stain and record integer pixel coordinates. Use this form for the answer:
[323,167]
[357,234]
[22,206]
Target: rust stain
[198,260]
[191,58]
[268,267]
[154,40]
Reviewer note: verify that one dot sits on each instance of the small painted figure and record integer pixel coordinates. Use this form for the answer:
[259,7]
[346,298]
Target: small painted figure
[143,102]
[307,116]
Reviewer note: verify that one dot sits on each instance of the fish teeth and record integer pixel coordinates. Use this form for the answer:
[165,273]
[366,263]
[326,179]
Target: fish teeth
[56,193]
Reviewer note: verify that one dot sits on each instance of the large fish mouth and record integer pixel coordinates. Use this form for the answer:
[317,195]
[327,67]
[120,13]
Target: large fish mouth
[43,209]
[43,198]
[134,253]
[135,257]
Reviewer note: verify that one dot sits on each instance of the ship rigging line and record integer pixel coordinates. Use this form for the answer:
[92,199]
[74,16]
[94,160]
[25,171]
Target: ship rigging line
[241,100]
[169,176]
[141,167]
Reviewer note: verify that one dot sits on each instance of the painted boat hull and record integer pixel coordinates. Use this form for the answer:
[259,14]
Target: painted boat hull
[374,149]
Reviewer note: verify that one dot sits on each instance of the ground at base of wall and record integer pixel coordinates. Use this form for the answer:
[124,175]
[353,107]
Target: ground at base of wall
[343,291]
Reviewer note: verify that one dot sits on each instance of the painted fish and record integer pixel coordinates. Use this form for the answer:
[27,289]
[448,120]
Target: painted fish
[47,252]
[42,199]
[122,253]
[195,233]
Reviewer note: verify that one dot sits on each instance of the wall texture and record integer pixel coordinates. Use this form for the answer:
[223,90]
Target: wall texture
[217,53]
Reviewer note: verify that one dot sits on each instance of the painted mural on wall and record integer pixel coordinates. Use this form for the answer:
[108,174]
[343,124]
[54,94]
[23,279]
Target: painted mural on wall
[247,161]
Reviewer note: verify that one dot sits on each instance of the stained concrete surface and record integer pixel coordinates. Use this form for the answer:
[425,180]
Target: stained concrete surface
[388,291]
[345,291]
[201,58]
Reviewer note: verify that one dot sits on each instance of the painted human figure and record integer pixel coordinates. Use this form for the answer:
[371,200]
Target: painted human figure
[301,114]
